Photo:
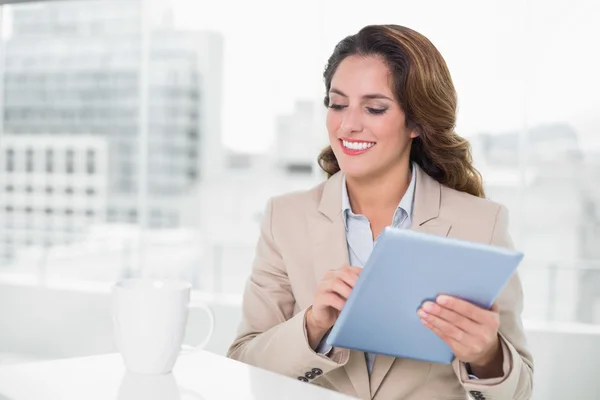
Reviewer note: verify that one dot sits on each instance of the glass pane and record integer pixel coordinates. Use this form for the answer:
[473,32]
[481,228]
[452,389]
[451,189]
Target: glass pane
[71,82]
[561,229]
[261,127]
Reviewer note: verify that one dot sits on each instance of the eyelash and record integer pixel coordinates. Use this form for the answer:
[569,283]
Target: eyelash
[374,111]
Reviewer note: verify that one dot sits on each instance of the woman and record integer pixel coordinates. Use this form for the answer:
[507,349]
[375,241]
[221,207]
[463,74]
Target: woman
[394,159]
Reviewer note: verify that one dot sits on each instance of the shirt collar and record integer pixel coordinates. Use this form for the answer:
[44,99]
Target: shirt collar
[406,202]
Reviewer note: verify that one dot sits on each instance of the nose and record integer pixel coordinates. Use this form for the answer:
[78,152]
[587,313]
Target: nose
[351,121]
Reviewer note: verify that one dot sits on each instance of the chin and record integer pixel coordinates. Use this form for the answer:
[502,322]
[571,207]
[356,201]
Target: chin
[360,166]
[356,170]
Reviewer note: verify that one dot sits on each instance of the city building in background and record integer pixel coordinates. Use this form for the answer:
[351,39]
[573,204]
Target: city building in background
[75,68]
[299,136]
[54,186]
[553,201]
[80,94]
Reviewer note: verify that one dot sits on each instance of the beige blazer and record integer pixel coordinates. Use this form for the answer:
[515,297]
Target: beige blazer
[303,236]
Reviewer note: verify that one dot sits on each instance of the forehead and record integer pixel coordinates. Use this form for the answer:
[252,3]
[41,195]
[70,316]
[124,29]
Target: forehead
[357,75]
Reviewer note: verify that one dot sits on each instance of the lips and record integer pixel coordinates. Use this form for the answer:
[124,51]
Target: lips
[353,147]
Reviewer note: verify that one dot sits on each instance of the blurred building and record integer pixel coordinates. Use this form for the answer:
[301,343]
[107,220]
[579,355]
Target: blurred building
[54,187]
[548,186]
[300,135]
[544,143]
[588,308]
[230,236]
[75,68]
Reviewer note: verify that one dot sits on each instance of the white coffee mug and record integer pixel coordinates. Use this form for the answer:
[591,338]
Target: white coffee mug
[150,317]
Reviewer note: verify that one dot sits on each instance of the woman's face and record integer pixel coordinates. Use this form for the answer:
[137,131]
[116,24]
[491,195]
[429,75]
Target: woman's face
[367,129]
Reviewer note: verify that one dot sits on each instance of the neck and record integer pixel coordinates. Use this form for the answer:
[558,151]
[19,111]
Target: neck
[378,193]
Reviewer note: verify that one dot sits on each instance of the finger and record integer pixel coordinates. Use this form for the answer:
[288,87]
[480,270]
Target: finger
[495,308]
[464,308]
[445,327]
[352,271]
[348,277]
[451,316]
[457,347]
[355,270]
[341,288]
[331,299]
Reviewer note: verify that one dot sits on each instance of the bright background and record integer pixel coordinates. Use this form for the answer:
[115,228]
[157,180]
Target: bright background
[144,138]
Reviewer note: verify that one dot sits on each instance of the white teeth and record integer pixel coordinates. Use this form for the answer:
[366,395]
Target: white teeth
[357,145]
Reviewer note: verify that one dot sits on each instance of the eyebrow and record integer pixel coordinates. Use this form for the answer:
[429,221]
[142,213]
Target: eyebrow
[366,96]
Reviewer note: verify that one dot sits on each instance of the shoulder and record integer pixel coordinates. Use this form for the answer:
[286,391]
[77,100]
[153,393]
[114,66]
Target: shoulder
[465,204]
[286,215]
[291,206]
[298,200]
[473,213]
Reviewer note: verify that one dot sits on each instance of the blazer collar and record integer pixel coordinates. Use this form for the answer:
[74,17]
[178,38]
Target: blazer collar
[331,199]
[427,200]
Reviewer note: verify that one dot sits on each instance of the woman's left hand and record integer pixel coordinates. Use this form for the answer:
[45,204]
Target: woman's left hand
[470,331]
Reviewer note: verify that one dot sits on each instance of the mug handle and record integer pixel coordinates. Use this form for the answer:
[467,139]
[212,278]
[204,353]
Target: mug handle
[187,349]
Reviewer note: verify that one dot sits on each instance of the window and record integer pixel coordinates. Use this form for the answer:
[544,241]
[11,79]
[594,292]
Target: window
[219,144]
[299,168]
[10,160]
[90,162]
[49,161]
[29,160]
[132,214]
[70,161]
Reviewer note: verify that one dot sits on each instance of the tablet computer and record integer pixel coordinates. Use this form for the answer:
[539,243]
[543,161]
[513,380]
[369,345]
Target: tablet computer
[405,269]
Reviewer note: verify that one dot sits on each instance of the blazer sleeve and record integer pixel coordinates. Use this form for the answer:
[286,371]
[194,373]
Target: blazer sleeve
[517,382]
[270,336]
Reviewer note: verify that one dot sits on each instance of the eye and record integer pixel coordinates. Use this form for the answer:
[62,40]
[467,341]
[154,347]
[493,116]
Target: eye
[336,106]
[376,111]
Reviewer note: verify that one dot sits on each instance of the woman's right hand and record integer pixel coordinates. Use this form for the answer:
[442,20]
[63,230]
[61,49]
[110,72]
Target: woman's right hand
[332,292]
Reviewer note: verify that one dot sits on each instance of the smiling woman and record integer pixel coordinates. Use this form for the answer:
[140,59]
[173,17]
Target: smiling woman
[393,160]
[405,88]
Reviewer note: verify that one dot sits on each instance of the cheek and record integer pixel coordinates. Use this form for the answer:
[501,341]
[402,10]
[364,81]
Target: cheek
[332,122]
[388,130]
[392,134]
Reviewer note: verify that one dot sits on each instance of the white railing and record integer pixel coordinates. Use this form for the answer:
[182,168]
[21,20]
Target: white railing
[554,290]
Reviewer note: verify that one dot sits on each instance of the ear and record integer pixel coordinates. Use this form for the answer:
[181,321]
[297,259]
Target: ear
[414,133]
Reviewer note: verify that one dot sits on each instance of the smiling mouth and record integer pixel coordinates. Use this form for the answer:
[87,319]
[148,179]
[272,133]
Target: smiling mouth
[355,147]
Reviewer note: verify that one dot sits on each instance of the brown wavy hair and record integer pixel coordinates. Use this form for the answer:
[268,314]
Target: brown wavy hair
[423,87]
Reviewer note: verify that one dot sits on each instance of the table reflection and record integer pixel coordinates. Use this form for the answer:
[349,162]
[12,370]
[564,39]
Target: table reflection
[153,387]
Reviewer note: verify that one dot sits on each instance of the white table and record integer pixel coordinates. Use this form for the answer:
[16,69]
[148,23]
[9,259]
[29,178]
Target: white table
[200,375]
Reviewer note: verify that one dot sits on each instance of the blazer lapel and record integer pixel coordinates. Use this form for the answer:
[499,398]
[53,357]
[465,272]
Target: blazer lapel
[327,231]
[426,211]
[330,251]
